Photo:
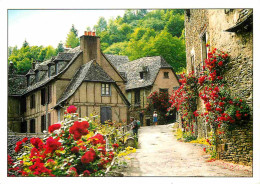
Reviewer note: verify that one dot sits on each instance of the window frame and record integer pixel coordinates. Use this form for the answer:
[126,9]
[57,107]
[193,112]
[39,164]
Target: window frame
[105,89]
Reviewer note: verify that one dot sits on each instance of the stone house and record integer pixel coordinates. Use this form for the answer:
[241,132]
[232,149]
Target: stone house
[229,30]
[145,75]
[85,77]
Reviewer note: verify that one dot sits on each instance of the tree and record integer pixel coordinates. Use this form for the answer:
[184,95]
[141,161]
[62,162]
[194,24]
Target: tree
[101,25]
[74,30]
[25,43]
[175,25]
[59,48]
[72,39]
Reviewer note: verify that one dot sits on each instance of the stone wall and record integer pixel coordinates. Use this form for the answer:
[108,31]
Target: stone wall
[236,145]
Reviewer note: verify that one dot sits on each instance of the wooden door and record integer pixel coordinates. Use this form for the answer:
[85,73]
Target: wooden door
[106,114]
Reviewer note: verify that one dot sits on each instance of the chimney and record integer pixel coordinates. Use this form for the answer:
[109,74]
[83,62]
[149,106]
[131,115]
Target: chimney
[90,45]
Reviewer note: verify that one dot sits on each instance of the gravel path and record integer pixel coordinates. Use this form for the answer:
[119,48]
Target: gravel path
[160,154]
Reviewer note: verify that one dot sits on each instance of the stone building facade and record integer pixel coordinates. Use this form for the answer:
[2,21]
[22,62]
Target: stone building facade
[229,30]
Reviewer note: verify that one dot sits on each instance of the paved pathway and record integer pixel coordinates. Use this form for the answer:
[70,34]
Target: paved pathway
[160,154]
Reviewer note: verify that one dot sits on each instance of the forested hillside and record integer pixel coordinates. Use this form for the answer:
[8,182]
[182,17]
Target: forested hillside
[137,34]
[141,33]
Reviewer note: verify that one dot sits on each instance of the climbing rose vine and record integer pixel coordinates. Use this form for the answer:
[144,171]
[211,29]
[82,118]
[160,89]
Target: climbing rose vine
[221,110]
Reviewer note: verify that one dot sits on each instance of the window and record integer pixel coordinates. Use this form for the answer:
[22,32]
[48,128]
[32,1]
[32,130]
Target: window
[37,76]
[32,101]
[43,123]
[166,75]
[24,127]
[105,89]
[32,126]
[49,119]
[23,105]
[43,101]
[49,71]
[106,114]
[142,75]
[49,95]
[28,80]
[137,97]
[56,68]
[129,96]
[192,62]
[204,48]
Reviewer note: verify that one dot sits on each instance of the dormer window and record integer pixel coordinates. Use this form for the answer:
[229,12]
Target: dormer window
[166,75]
[28,80]
[37,76]
[56,68]
[142,75]
[49,71]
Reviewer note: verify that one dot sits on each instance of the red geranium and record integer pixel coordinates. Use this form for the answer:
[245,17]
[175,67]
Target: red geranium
[71,109]
[52,145]
[89,156]
[86,173]
[37,143]
[115,145]
[75,149]
[78,129]
[97,139]
[25,140]
[18,146]
[54,127]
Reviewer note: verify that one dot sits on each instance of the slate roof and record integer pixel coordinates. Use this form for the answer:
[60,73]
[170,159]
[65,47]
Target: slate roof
[117,60]
[44,80]
[91,71]
[63,56]
[133,69]
[16,84]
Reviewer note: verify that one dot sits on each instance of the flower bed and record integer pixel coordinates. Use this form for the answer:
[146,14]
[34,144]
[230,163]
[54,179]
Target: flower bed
[72,148]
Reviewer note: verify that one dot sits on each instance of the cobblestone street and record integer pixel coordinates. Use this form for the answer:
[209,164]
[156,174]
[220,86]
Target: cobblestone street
[160,154]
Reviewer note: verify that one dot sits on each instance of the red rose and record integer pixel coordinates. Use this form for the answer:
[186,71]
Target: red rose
[71,109]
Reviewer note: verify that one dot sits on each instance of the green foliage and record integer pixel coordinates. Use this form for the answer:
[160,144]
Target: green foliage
[74,30]
[22,58]
[140,33]
[25,43]
[60,48]
[72,40]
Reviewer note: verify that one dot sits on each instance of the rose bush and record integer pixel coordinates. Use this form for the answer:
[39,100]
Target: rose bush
[72,148]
